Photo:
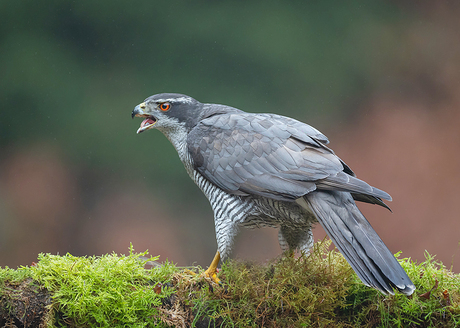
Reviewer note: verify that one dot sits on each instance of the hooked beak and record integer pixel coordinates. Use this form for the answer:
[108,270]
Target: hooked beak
[149,120]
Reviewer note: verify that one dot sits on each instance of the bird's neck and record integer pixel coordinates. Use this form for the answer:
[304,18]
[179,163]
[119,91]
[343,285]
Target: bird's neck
[178,137]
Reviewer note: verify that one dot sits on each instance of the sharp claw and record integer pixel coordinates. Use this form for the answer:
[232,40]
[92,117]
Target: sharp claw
[212,274]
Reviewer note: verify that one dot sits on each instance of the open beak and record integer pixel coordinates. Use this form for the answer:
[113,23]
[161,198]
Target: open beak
[149,120]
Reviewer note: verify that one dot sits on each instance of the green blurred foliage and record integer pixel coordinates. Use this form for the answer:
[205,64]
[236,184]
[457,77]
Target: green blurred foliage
[72,71]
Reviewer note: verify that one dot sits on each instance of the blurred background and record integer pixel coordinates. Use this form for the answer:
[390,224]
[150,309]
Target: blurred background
[380,78]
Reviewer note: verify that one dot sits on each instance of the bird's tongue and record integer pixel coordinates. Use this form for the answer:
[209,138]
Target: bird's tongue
[146,122]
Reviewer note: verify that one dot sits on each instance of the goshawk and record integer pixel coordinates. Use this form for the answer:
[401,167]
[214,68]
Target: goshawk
[267,170]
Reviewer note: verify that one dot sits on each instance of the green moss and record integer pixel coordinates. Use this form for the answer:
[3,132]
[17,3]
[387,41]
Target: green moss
[13,276]
[320,290]
[106,291]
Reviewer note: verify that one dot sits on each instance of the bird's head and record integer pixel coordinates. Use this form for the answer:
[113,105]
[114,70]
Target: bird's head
[167,111]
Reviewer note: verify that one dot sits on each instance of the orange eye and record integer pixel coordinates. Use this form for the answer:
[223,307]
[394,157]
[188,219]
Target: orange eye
[165,106]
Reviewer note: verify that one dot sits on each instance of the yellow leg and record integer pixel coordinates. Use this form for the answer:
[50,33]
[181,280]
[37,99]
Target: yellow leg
[211,272]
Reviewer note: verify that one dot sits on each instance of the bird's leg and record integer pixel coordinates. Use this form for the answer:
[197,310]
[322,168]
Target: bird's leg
[211,272]
[292,239]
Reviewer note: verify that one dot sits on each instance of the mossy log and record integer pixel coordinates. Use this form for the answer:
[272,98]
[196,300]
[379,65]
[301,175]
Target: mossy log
[319,290]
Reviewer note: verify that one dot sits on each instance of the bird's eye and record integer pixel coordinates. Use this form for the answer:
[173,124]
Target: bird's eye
[165,106]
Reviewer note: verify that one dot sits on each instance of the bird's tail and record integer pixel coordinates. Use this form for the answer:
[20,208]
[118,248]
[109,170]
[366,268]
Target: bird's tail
[353,235]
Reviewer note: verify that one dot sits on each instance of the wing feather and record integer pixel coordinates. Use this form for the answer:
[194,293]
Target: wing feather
[272,156]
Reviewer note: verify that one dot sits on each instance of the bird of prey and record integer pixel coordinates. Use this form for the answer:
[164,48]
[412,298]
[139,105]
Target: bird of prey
[268,170]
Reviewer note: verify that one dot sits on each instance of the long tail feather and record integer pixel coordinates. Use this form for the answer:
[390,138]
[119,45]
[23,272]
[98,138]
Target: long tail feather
[357,241]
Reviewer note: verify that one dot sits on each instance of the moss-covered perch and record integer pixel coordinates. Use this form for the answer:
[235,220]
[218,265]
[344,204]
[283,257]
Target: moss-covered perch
[132,291]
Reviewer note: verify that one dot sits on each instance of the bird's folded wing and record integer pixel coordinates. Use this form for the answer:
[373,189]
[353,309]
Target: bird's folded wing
[269,155]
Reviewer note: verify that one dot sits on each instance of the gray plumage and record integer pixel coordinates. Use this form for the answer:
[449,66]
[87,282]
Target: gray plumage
[270,170]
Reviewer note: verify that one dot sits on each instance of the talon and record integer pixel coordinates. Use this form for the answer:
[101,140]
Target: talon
[211,272]
[190,272]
